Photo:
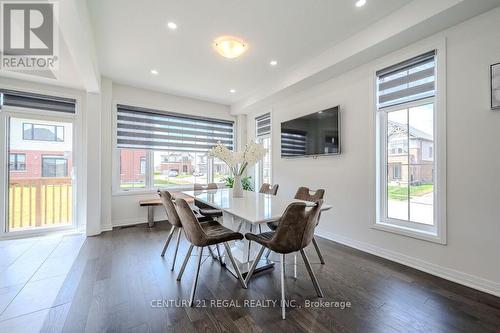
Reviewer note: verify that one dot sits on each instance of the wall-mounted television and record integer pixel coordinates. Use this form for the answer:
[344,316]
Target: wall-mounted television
[315,134]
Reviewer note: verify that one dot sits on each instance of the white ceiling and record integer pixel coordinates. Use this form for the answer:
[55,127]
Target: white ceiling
[131,38]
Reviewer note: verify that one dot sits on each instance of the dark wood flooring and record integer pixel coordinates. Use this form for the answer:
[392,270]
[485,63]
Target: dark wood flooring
[112,280]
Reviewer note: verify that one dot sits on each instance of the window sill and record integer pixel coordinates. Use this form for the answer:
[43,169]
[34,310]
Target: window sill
[410,232]
[119,193]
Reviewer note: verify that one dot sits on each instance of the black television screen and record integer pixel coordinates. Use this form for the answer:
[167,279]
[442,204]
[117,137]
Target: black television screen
[315,134]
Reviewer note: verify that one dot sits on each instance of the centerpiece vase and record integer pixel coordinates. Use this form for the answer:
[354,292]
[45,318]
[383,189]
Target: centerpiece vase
[237,188]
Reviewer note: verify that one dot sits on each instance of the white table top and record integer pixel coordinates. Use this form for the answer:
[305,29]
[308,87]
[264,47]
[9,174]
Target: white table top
[253,207]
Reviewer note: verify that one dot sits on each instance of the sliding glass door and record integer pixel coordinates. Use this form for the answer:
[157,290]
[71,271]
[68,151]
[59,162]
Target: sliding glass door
[40,168]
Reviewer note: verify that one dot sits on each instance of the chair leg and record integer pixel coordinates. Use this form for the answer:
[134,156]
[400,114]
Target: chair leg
[212,253]
[268,253]
[249,244]
[254,264]
[311,273]
[233,262]
[176,248]
[196,275]
[318,251]
[184,264]
[282,275]
[260,228]
[219,256]
[295,265]
[170,234]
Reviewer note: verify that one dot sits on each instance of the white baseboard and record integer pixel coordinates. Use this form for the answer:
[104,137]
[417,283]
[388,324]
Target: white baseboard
[465,279]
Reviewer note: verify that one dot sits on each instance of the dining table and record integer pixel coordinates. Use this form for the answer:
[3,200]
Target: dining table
[249,213]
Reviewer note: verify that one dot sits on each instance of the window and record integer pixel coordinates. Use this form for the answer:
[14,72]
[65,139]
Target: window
[54,166]
[396,171]
[171,149]
[407,114]
[263,170]
[17,162]
[41,132]
[39,186]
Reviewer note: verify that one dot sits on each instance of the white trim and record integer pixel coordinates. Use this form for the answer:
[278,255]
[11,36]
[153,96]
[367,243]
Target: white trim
[259,167]
[136,220]
[437,233]
[468,280]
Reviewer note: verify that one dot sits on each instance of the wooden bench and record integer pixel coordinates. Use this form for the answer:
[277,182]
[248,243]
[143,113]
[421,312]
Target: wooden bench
[151,203]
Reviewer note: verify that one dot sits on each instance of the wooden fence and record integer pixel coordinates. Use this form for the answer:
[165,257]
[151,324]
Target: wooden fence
[37,202]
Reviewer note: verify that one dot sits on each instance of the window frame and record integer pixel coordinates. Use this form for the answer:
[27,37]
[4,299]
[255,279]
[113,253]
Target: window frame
[16,162]
[7,112]
[437,232]
[259,167]
[32,138]
[55,158]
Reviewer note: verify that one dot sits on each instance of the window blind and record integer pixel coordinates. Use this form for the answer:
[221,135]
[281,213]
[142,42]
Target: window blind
[408,81]
[37,101]
[263,125]
[140,128]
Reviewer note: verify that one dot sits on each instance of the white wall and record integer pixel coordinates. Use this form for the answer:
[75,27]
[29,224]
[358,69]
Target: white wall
[473,162]
[125,206]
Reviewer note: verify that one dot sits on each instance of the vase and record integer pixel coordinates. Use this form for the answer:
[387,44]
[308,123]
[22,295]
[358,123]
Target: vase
[237,188]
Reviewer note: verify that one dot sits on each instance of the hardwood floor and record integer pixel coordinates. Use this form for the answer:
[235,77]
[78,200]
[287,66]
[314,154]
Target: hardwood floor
[115,282]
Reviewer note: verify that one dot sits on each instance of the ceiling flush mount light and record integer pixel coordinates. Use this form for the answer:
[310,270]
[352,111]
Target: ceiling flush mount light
[273,63]
[172,25]
[230,47]
[154,72]
[360,3]
[232,91]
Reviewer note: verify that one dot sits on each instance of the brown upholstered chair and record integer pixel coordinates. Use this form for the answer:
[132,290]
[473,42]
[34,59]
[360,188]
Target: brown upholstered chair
[203,235]
[295,231]
[269,189]
[304,193]
[174,220]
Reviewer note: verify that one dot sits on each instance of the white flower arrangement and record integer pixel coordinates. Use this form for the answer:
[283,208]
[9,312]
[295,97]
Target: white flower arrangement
[239,161]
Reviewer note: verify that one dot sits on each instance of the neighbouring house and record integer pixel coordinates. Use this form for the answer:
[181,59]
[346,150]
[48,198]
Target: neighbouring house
[182,163]
[412,166]
[132,166]
[39,150]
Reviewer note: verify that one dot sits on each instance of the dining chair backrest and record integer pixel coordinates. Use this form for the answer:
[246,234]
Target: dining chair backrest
[168,203]
[269,189]
[201,187]
[304,193]
[296,227]
[192,229]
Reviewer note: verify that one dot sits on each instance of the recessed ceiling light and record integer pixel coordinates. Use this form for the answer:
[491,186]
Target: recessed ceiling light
[154,72]
[172,25]
[230,47]
[360,3]
[273,63]
[232,91]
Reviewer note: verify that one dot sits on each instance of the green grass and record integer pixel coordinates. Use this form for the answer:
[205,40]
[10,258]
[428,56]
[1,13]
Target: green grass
[54,208]
[401,192]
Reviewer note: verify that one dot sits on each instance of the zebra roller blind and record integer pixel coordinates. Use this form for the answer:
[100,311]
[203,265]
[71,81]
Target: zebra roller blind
[263,125]
[408,81]
[140,128]
[37,101]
